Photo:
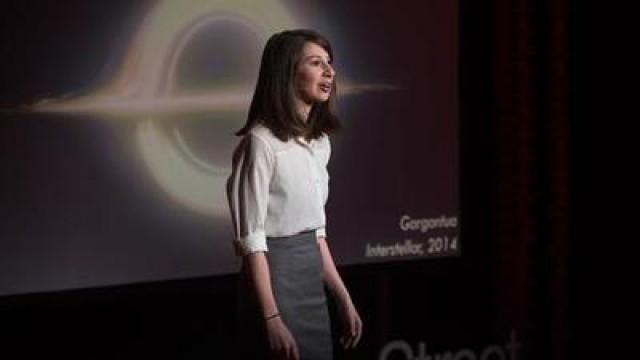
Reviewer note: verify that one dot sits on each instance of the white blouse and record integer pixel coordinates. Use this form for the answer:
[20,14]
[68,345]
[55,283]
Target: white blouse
[277,188]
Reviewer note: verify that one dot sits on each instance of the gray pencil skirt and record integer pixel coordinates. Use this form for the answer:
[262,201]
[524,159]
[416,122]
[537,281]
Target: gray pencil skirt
[295,265]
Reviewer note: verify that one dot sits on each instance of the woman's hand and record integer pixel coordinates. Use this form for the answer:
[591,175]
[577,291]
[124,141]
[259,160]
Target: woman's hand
[281,342]
[351,325]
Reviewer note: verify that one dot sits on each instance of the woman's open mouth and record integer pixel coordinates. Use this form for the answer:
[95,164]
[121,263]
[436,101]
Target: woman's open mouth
[325,87]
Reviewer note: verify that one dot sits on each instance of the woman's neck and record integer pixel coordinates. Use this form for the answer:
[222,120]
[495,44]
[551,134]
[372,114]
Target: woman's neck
[303,109]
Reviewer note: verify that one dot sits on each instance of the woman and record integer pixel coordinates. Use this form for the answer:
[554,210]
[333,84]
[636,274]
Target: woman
[277,192]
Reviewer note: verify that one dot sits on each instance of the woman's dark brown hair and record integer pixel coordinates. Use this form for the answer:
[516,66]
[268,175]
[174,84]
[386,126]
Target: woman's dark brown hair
[273,103]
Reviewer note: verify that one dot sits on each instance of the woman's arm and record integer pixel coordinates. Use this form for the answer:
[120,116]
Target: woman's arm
[331,276]
[260,277]
[351,322]
[280,339]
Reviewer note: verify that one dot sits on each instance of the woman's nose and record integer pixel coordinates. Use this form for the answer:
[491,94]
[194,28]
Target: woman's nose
[328,70]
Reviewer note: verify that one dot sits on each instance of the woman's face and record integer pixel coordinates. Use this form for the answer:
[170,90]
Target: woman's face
[314,74]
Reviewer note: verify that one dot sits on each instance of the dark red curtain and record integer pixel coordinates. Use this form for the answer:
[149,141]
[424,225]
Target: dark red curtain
[532,158]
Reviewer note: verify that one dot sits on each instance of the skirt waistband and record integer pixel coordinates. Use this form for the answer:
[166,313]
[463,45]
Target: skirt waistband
[300,234]
[304,237]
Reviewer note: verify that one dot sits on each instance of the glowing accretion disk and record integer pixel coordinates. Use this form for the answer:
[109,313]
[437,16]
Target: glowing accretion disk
[150,72]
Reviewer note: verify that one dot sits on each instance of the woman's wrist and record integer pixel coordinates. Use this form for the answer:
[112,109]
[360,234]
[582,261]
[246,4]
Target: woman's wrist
[272,316]
[341,295]
[344,300]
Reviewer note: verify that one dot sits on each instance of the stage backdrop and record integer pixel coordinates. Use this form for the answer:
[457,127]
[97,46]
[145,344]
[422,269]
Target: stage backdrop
[117,123]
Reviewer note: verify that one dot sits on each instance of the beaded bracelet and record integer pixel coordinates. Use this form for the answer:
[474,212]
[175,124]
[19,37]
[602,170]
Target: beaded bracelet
[272,316]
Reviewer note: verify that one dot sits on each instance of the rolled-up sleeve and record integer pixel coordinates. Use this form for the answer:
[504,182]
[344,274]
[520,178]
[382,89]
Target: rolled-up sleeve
[322,231]
[248,193]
